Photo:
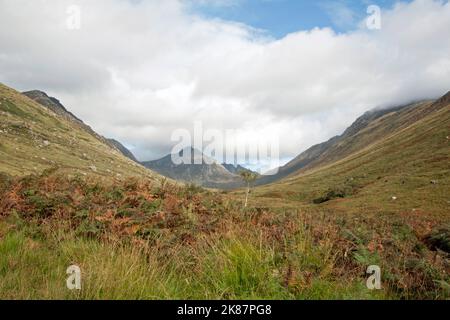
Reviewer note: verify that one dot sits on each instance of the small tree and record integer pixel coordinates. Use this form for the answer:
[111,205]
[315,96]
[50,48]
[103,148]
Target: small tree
[248,177]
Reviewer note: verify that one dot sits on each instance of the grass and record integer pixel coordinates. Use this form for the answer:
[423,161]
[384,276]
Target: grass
[204,247]
[144,239]
[229,269]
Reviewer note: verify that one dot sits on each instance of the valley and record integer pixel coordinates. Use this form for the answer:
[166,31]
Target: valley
[376,195]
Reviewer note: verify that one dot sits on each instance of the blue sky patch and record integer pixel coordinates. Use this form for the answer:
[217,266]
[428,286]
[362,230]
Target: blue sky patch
[281,17]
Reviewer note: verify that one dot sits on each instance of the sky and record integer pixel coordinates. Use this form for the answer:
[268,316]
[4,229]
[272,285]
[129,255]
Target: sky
[281,17]
[300,71]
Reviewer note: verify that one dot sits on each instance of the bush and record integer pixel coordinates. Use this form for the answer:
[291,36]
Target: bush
[439,239]
[334,193]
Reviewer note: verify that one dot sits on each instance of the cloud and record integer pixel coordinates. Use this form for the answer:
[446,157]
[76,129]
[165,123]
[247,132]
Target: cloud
[340,14]
[137,70]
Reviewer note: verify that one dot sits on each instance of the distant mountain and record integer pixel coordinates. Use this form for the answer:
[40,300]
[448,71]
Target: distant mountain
[370,128]
[38,133]
[56,106]
[207,174]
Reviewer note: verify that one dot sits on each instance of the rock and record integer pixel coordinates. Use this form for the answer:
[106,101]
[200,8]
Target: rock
[434,182]
[46,143]
[394,198]
[93,168]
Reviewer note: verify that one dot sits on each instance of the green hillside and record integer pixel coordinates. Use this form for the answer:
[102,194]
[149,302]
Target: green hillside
[373,126]
[403,154]
[33,138]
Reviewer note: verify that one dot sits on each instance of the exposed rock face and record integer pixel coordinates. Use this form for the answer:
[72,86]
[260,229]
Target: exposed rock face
[53,104]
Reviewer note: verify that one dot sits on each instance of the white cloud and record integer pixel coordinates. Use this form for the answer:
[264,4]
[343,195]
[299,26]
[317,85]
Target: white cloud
[137,70]
[340,13]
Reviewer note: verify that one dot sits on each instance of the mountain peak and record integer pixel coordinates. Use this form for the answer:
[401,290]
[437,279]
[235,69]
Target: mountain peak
[196,155]
[36,93]
[51,103]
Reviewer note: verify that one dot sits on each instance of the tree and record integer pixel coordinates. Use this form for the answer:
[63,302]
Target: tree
[248,177]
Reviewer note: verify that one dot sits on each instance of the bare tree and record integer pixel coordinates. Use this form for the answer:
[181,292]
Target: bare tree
[249,178]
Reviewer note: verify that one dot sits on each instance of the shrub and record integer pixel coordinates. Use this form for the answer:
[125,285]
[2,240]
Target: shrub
[334,193]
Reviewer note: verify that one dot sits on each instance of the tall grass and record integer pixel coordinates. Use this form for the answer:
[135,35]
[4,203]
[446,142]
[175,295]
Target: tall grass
[228,268]
[138,240]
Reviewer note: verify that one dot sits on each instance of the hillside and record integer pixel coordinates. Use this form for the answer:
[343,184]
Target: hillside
[55,105]
[38,136]
[208,174]
[371,127]
[402,154]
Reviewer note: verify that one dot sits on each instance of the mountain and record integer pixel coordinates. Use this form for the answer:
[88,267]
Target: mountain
[56,106]
[38,133]
[207,174]
[368,129]
[53,104]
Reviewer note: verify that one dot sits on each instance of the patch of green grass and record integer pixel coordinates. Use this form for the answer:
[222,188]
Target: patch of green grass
[8,106]
[234,269]
[34,270]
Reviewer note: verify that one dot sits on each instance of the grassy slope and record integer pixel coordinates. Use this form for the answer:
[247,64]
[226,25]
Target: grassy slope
[25,126]
[402,164]
[371,127]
